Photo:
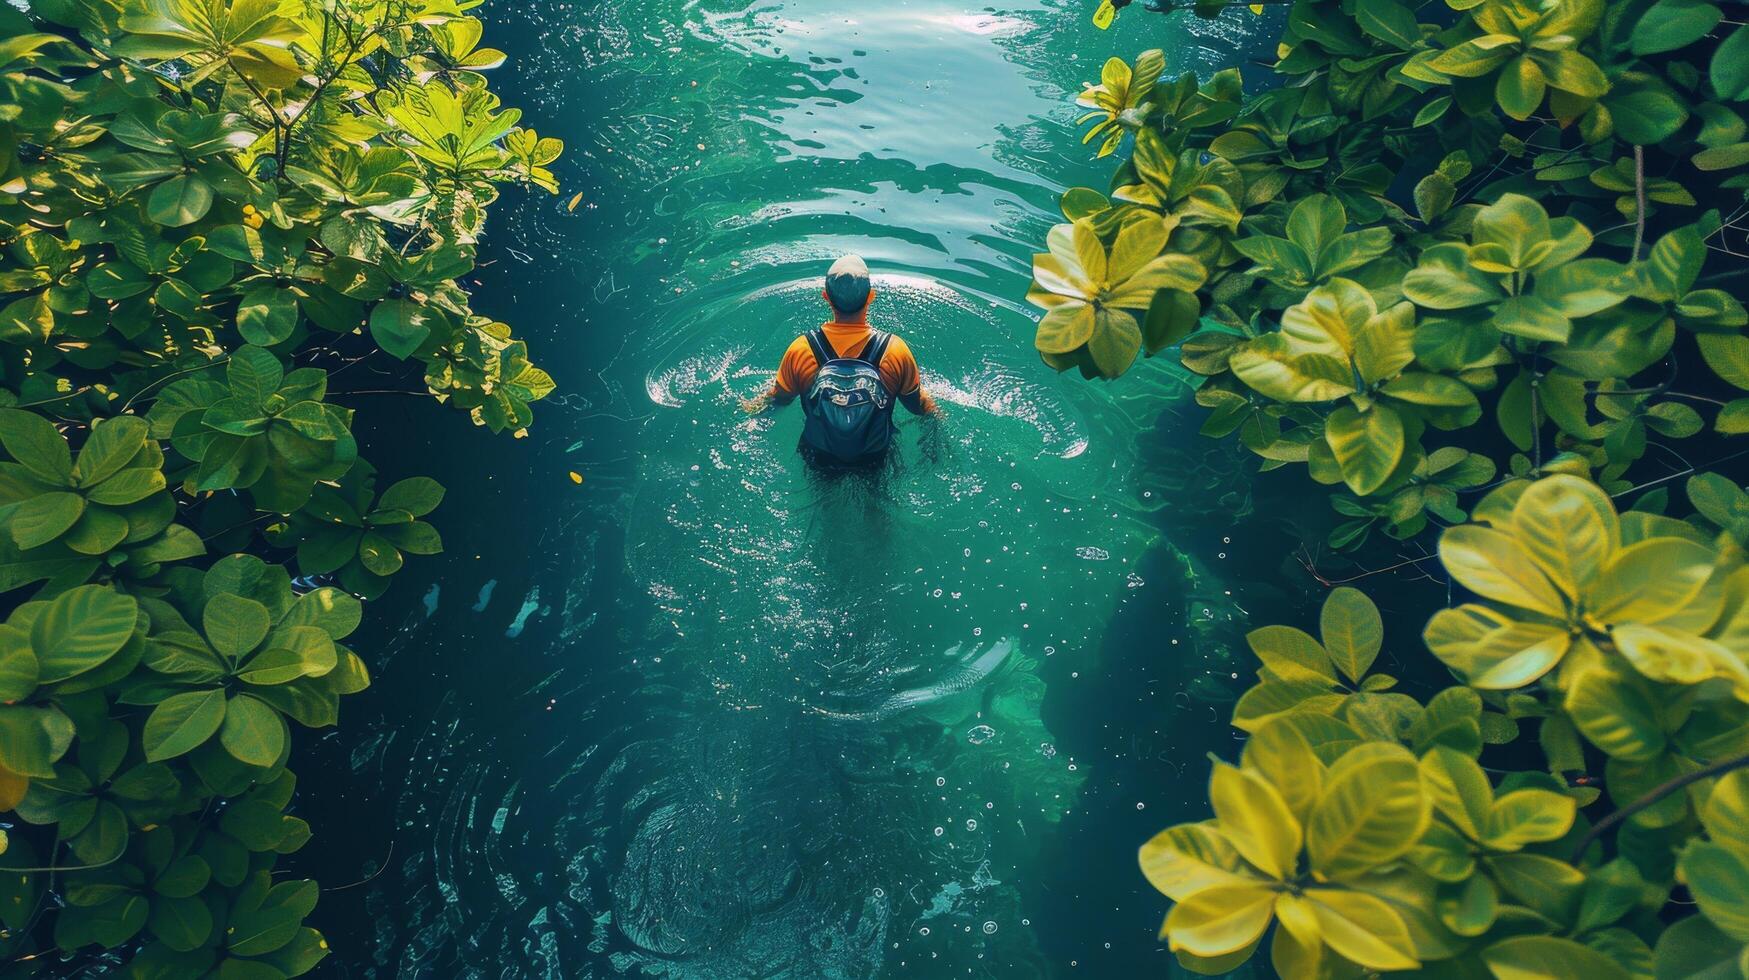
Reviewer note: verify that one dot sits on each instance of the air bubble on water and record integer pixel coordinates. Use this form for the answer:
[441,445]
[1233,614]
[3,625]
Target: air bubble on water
[971,824]
[990,928]
[939,831]
[923,931]
[1047,750]
[1141,806]
[979,734]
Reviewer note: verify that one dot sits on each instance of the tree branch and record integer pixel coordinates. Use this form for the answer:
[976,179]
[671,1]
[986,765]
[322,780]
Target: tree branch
[1652,796]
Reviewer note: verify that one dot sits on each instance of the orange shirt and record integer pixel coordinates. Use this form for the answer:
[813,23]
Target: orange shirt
[898,366]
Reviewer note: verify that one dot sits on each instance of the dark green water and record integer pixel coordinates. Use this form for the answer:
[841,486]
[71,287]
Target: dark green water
[702,716]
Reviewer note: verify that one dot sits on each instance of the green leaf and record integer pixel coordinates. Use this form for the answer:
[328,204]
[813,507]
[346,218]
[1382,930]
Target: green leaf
[1368,444]
[112,443]
[1457,788]
[1372,811]
[1271,367]
[1172,316]
[377,555]
[1692,948]
[1718,878]
[80,630]
[1352,630]
[1541,957]
[1672,24]
[1473,909]
[1389,21]
[252,732]
[108,925]
[1520,87]
[257,824]
[267,315]
[34,442]
[1445,280]
[1552,888]
[254,375]
[234,624]
[181,200]
[182,723]
[1729,71]
[1291,655]
[44,518]
[1615,715]
[1065,328]
[399,327]
[33,739]
[1646,111]
[183,924]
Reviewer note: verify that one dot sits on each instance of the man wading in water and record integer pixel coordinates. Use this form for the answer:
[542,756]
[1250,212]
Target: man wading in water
[848,375]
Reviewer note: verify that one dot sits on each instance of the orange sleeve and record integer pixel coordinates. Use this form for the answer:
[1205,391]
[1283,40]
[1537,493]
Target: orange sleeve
[899,368]
[796,367]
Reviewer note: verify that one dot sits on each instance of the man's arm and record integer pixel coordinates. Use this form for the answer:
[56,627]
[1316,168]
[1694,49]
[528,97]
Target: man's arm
[918,402]
[774,397]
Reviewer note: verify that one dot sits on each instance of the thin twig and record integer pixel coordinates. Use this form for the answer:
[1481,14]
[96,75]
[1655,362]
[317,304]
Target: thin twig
[1652,796]
[1639,199]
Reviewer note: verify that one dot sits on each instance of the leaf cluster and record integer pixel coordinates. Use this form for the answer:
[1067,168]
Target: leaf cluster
[209,209]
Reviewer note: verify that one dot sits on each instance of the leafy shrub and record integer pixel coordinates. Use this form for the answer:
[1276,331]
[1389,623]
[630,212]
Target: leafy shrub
[1455,264]
[200,202]
[1362,824]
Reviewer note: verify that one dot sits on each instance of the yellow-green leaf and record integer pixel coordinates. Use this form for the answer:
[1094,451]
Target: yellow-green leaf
[1372,811]
[1529,816]
[1568,527]
[1365,929]
[1255,820]
[1220,920]
[1496,566]
[1183,860]
[1352,631]
[1649,580]
[1367,444]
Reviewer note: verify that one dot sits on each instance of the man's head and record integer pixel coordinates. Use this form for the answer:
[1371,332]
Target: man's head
[847,287]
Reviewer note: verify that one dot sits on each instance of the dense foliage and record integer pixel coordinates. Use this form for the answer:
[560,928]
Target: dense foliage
[204,204]
[1455,258]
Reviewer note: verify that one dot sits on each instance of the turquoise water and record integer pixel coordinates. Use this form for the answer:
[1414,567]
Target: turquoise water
[703,715]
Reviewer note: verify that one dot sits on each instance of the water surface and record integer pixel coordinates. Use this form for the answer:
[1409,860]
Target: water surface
[704,715]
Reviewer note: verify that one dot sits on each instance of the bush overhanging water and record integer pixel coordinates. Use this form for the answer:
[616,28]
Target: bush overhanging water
[202,203]
[1466,262]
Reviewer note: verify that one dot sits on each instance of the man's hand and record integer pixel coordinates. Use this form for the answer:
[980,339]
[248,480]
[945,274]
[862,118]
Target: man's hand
[933,439]
[756,404]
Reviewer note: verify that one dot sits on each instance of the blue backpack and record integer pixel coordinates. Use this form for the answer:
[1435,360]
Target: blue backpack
[849,409]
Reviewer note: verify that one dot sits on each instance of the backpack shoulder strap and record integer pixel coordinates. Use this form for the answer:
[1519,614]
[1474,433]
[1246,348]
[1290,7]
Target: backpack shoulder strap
[876,348]
[822,349]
